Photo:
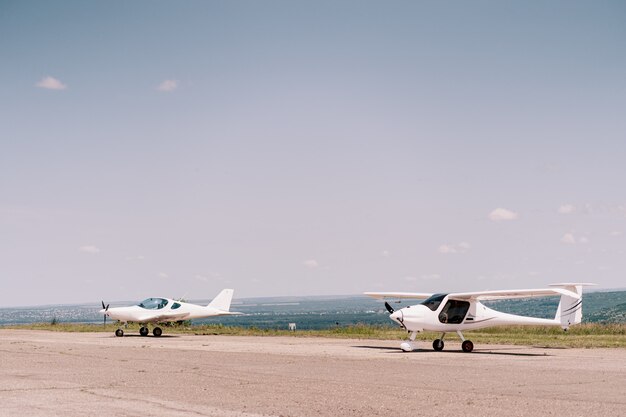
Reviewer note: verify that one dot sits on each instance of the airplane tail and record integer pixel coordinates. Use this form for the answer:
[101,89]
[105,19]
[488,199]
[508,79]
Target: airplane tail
[222,301]
[570,309]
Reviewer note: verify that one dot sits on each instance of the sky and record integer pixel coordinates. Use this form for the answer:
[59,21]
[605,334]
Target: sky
[287,148]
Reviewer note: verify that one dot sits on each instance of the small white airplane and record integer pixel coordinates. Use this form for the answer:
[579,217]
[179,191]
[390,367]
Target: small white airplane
[160,310]
[457,312]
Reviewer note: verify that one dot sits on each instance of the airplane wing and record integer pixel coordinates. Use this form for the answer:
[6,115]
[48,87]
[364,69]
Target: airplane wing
[396,295]
[507,294]
[164,317]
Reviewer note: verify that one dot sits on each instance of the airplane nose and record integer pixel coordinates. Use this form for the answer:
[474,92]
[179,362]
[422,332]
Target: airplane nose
[397,316]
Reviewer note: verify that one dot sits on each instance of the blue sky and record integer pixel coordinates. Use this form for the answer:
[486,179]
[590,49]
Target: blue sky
[292,148]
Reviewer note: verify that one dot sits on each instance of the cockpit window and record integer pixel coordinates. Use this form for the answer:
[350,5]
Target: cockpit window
[153,303]
[433,301]
[175,306]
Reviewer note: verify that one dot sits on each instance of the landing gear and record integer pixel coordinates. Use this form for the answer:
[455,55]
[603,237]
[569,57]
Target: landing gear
[408,346]
[119,333]
[438,344]
[467,345]
[144,331]
[157,331]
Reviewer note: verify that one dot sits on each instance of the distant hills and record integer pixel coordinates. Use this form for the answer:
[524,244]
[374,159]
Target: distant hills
[326,312]
[598,307]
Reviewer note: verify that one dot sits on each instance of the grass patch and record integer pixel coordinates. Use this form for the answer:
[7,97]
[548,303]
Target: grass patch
[580,336]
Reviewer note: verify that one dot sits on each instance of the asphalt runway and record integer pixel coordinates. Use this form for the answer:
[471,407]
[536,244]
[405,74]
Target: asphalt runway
[80,374]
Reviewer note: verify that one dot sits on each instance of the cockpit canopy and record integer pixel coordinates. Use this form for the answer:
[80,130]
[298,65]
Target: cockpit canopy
[153,303]
[433,301]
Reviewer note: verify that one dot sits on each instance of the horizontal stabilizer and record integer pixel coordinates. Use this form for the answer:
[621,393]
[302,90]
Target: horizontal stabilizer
[231,313]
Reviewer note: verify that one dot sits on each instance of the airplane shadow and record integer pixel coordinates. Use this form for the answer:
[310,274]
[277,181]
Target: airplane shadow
[378,347]
[164,336]
[491,351]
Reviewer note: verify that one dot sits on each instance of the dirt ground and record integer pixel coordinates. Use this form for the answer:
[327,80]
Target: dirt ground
[74,374]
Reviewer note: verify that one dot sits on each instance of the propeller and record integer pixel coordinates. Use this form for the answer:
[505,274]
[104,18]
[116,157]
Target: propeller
[389,308]
[105,312]
[400,317]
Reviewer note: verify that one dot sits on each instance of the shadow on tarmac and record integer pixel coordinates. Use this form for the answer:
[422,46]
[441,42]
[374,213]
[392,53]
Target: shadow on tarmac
[163,336]
[489,351]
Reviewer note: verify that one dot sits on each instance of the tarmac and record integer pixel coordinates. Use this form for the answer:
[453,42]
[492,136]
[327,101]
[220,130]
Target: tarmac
[79,374]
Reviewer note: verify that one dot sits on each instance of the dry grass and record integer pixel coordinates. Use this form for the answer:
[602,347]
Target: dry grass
[581,336]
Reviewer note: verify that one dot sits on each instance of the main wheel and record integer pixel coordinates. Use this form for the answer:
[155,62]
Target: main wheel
[467,346]
[438,344]
[119,333]
[144,331]
[157,331]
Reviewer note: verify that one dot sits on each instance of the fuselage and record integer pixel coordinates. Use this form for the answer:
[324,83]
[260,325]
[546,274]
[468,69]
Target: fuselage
[440,314]
[161,310]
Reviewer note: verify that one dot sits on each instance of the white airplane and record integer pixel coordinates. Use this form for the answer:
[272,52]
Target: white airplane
[159,310]
[457,312]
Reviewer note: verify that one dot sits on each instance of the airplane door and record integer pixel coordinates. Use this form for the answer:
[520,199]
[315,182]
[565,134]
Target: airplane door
[454,311]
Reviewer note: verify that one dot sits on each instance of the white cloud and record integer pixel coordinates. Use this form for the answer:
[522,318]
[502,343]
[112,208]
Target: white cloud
[447,249]
[502,214]
[423,277]
[452,248]
[89,249]
[431,276]
[385,253]
[162,275]
[311,263]
[615,233]
[571,239]
[51,83]
[201,277]
[168,86]
[568,238]
[135,258]
[567,209]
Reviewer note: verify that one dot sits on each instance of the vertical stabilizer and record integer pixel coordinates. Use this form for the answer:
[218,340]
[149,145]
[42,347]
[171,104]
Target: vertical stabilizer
[222,301]
[570,310]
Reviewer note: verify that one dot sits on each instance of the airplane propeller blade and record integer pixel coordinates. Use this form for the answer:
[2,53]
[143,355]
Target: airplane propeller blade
[400,318]
[389,308]
[105,308]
